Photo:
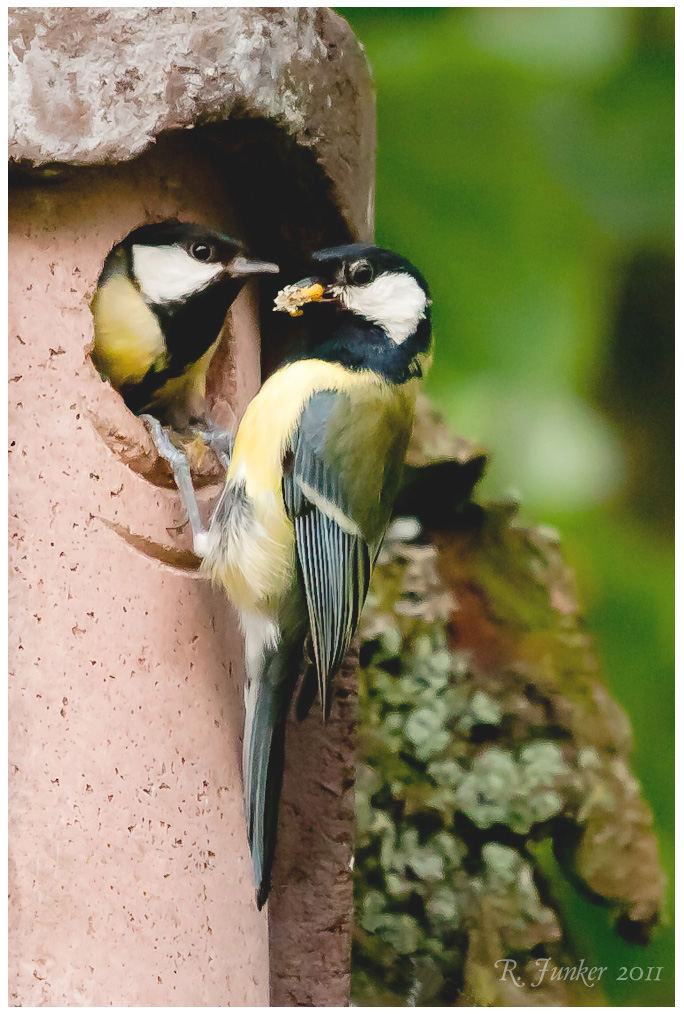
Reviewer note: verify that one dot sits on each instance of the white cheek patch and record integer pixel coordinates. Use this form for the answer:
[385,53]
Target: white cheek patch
[395,301]
[169,273]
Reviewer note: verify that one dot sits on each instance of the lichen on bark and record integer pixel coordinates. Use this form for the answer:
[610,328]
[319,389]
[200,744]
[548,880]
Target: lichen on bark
[485,735]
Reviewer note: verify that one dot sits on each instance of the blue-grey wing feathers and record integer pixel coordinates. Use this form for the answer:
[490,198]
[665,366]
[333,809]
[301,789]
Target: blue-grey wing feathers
[335,558]
[336,570]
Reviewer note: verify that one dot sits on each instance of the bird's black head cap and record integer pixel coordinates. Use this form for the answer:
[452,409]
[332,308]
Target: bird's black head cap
[200,241]
[367,308]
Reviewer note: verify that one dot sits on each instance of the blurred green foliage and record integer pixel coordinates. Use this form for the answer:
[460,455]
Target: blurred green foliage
[525,163]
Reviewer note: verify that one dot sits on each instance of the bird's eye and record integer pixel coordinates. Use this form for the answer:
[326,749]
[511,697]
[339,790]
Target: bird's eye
[201,251]
[361,273]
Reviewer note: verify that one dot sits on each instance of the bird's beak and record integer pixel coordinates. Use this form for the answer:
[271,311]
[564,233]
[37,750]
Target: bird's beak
[242,267]
[293,297]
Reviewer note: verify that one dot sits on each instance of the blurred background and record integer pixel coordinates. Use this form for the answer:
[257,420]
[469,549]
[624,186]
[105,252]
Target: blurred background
[526,165]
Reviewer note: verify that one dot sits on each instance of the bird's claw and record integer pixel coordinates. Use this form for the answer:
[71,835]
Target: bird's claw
[221,441]
[181,473]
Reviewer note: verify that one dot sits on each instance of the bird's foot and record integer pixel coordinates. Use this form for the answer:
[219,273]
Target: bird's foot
[183,477]
[220,440]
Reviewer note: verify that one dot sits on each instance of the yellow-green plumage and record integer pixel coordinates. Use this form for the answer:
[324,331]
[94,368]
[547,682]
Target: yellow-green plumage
[129,342]
[256,568]
[183,397]
[128,338]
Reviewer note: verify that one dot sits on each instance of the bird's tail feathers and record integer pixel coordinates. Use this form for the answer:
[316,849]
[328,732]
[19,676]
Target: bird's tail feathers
[272,670]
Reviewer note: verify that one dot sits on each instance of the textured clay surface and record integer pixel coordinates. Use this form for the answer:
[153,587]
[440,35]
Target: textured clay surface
[130,875]
[96,84]
[311,905]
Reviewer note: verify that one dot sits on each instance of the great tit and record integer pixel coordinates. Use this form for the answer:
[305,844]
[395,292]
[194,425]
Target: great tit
[314,472]
[159,307]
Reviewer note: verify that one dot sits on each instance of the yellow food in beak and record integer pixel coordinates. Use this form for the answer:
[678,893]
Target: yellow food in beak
[313,293]
[293,297]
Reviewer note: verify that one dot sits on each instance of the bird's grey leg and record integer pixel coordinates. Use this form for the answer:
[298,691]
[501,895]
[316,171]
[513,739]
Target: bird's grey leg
[220,440]
[181,473]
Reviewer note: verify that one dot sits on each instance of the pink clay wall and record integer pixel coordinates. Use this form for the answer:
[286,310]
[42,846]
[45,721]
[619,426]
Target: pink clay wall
[130,875]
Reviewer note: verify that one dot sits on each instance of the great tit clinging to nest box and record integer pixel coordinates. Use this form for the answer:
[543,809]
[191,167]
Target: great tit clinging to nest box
[309,491]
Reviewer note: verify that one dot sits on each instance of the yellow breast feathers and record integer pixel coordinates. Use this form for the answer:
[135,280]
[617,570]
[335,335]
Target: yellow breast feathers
[271,417]
[128,338]
[253,556]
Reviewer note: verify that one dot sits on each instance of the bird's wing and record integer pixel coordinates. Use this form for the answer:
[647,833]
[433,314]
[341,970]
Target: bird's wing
[336,557]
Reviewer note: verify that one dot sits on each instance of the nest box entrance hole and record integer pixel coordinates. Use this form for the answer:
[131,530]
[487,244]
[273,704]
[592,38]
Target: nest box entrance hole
[249,179]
